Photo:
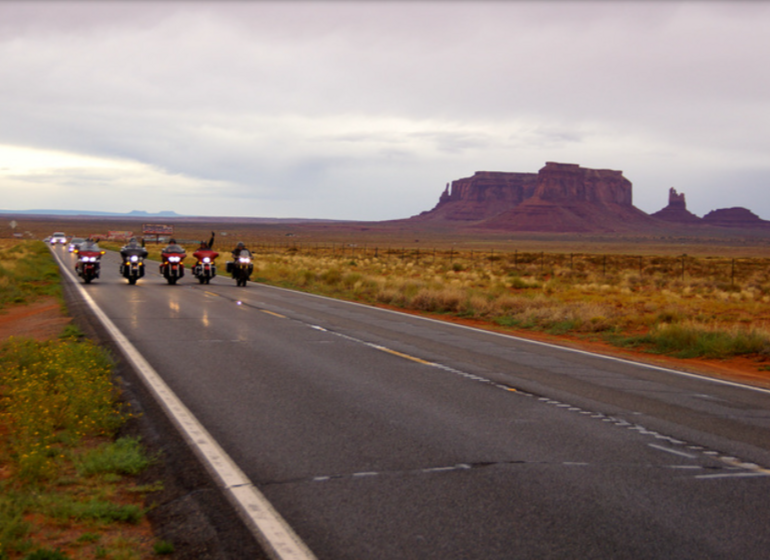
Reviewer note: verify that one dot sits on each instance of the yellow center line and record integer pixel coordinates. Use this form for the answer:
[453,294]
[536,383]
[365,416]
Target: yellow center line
[274,314]
[402,355]
[211,294]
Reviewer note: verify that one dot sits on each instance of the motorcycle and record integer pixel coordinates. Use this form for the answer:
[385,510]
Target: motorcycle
[205,269]
[88,265]
[171,266]
[132,268]
[241,268]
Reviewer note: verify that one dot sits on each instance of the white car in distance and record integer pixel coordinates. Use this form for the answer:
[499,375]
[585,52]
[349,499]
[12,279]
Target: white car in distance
[58,238]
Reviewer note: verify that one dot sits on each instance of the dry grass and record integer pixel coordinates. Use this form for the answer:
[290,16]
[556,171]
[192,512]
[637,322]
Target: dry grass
[624,299]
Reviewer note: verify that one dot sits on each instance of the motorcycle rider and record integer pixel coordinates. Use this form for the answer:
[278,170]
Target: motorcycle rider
[238,248]
[207,246]
[89,245]
[172,247]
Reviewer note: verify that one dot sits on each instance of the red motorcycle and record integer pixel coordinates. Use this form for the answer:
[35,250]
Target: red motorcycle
[205,268]
[88,265]
[172,264]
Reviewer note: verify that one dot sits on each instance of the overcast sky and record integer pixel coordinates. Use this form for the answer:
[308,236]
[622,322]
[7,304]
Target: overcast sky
[364,110]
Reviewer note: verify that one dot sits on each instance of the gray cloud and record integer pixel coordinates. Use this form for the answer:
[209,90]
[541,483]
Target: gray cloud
[365,110]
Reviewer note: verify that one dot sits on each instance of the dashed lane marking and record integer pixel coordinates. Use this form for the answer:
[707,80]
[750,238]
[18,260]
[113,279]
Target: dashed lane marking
[749,468]
[673,451]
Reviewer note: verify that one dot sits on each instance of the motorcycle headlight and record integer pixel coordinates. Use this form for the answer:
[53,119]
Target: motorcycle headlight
[134,258]
[244,259]
[206,260]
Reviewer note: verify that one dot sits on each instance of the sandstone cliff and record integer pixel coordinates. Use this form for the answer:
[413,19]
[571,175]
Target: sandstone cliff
[564,197]
[561,197]
[570,198]
[482,196]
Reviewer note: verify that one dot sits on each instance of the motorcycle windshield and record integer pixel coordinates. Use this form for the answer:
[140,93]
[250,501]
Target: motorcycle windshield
[134,251]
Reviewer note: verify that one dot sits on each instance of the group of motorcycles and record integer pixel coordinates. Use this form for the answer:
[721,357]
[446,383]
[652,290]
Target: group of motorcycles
[132,266]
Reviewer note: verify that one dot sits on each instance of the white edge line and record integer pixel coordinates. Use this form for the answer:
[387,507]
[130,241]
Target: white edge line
[268,527]
[673,451]
[537,342]
[736,475]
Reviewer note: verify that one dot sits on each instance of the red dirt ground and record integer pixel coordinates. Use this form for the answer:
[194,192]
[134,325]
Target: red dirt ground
[44,320]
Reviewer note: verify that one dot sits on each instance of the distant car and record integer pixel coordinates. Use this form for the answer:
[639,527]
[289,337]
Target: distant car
[75,243]
[58,238]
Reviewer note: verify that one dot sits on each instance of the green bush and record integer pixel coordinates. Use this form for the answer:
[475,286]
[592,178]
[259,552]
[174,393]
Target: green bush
[124,456]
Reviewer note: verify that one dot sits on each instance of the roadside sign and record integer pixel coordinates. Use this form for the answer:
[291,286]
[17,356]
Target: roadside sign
[157,229]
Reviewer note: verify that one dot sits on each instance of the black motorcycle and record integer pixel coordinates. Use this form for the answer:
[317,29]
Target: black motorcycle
[241,268]
[132,267]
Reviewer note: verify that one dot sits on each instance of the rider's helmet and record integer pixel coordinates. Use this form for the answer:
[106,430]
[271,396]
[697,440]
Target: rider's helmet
[240,245]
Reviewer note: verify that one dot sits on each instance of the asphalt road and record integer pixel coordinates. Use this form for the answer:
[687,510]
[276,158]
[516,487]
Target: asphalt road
[380,435]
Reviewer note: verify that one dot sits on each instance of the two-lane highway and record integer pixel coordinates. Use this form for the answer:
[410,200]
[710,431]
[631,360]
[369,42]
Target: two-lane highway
[387,436]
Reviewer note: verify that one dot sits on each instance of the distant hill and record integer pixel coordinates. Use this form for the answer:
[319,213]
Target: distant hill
[132,214]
